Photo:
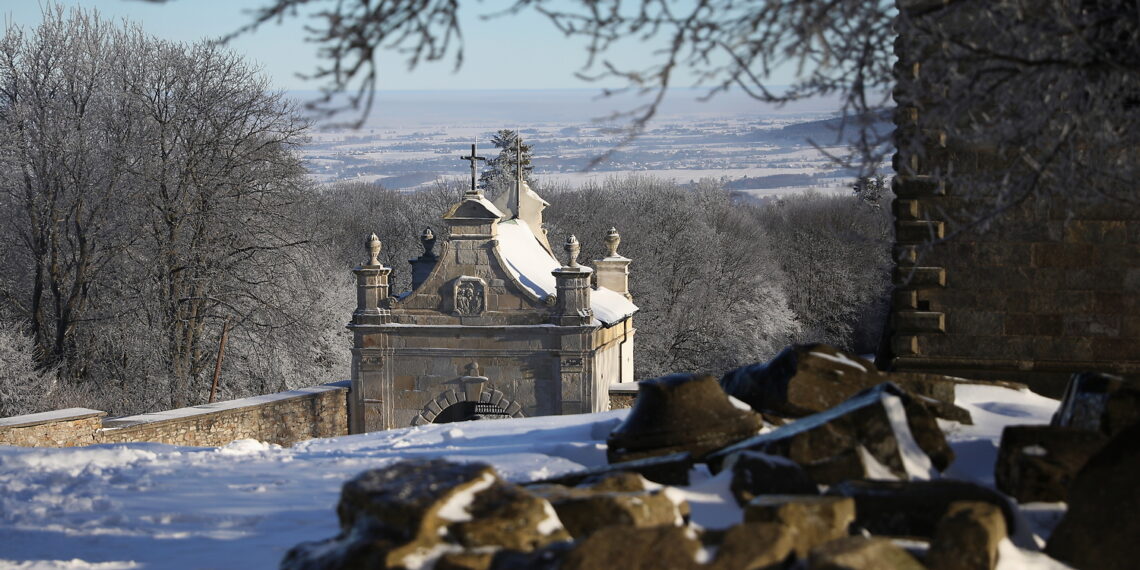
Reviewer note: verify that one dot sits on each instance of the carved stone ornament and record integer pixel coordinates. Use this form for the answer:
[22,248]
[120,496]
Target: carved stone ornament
[613,239]
[572,248]
[374,246]
[427,240]
[469,296]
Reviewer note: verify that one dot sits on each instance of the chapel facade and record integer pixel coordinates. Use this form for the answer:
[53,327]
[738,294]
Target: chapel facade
[494,325]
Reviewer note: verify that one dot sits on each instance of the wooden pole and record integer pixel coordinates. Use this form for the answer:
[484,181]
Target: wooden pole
[218,363]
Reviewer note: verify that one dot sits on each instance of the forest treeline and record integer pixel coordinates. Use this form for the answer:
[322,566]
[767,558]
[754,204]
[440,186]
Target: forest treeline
[151,200]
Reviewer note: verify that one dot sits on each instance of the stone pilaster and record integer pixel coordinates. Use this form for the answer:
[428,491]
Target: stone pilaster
[371,288]
[572,283]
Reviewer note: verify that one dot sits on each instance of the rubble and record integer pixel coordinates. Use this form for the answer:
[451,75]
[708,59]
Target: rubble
[874,434]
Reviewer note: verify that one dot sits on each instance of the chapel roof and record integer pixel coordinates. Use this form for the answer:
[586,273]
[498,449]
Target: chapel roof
[532,266]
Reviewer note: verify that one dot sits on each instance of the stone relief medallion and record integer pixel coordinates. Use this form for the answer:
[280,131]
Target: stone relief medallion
[470,297]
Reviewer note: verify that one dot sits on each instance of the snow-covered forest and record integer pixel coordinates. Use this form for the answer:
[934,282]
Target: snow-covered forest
[152,201]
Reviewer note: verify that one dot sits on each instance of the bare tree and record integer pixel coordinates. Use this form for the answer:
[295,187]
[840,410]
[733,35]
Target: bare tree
[61,174]
[149,192]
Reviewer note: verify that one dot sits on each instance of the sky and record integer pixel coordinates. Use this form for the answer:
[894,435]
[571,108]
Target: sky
[511,52]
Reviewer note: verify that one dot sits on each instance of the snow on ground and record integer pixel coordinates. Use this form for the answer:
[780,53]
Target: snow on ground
[146,505]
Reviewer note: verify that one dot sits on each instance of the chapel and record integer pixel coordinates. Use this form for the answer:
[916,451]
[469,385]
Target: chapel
[495,324]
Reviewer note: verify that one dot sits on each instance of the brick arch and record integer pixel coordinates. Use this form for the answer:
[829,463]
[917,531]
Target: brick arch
[450,397]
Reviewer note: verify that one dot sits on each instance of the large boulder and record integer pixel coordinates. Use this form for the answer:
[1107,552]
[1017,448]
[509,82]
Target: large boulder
[1099,402]
[874,434]
[1038,463]
[680,413]
[967,537]
[1101,530]
[413,512]
[810,378]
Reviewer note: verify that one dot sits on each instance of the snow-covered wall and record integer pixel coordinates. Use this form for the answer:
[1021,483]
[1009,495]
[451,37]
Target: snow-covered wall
[283,418]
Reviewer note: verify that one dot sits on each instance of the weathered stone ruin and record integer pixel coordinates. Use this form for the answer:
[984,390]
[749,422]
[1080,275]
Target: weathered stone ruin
[857,485]
[1050,288]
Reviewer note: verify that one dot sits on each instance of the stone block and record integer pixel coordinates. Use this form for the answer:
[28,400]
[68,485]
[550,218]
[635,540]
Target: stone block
[755,545]
[919,322]
[919,231]
[1099,529]
[1061,255]
[755,474]
[860,553]
[1037,463]
[1099,402]
[1093,278]
[636,549]
[914,508]
[920,277]
[1029,324]
[1096,231]
[816,519]
[1096,325]
[586,511]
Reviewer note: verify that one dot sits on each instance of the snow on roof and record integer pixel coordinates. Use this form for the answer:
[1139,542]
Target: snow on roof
[532,266]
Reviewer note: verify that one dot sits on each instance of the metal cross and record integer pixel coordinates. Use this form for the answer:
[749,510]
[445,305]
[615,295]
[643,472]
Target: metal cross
[473,160]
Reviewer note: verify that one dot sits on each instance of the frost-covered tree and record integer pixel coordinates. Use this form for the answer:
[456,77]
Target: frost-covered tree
[499,173]
[149,192]
[25,386]
[836,256]
[711,292]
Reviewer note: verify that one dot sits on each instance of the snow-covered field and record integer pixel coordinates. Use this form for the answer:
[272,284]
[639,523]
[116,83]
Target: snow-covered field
[244,505]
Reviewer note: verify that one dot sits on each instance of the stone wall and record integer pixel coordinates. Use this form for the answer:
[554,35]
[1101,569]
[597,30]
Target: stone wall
[71,427]
[1050,288]
[284,418]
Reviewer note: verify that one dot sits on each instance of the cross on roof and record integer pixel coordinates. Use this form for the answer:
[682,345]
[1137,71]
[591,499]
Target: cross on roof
[473,158]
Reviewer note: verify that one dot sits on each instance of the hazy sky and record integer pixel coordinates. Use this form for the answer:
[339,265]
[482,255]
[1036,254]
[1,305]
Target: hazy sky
[510,52]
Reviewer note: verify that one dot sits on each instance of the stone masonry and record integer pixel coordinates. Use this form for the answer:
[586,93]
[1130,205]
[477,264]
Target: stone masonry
[1050,289]
[283,419]
[495,326]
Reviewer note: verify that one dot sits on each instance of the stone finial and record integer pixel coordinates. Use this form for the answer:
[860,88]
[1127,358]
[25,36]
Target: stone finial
[427,239]
[374,246]
[472,369]
[573,248]
[613,239]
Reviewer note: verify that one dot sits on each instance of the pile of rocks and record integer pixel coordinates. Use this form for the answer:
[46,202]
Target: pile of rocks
[846,464]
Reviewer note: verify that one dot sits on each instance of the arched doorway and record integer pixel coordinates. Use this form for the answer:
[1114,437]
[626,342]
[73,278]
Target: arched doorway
[470,411]
[452,406]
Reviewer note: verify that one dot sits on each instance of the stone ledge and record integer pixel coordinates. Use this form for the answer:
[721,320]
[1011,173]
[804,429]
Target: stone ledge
[56,416]
[218,409]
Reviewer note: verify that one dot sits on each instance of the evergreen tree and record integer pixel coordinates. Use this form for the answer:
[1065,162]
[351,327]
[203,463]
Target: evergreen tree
[499,173]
